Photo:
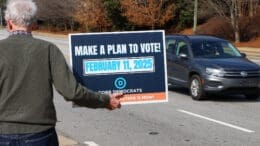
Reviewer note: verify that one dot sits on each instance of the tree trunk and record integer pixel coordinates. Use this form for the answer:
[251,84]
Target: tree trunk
[71,25]
[1,19]
[232,15]
[65,27]
[49,25]
[235,20]
[153,25]
[87,28]
[237,34]
[239,8]
[251,8]
[195,16]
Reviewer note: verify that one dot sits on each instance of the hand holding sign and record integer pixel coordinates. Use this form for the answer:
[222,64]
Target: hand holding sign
[115,101]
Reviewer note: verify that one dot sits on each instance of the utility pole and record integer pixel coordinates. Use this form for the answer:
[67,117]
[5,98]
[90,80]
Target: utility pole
[2,6]
[1,17]
[195,16]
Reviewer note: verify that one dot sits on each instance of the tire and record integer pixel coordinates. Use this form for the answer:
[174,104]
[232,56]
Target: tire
[252,95]
[196,88]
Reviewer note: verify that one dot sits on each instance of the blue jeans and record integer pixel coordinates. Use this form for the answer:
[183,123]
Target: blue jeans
[45,138]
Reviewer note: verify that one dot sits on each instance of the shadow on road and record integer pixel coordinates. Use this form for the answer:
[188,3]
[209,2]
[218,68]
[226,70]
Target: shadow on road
[230,98]
[181,90]
[216,97]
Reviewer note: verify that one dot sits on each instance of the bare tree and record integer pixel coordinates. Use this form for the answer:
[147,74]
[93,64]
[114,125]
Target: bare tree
[233,10]
[56,12]
[151,13]
[247,7]
[92,15]
[252,7]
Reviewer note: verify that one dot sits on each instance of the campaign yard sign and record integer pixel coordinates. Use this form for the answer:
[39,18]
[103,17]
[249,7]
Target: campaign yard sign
[130,62]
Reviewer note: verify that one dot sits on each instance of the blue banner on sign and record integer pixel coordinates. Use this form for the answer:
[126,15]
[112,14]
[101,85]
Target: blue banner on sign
[130,62]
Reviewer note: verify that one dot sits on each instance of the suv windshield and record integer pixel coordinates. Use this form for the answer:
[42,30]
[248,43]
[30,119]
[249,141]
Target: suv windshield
[214,49]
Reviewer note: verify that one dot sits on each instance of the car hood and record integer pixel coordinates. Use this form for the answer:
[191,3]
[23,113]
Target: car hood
[228,63]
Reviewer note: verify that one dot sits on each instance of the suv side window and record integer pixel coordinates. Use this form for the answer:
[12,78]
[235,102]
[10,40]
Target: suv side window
[226,49]
[170,45]
[182,48]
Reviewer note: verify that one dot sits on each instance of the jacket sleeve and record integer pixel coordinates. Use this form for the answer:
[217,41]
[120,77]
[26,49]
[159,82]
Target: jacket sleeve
[66,84]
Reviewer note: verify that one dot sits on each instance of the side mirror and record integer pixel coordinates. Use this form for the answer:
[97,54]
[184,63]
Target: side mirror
[243,55]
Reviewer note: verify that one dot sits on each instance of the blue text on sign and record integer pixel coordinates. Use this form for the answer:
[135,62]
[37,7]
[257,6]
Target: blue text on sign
[118,65]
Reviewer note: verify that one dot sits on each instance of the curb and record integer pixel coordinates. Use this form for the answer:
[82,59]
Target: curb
[50,34]
[65,141]
[252,53]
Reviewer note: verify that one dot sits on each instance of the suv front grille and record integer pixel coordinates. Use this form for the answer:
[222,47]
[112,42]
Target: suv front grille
[242,74]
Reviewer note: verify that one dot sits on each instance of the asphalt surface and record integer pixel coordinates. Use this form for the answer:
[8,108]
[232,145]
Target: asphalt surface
[221,120]
[231,121]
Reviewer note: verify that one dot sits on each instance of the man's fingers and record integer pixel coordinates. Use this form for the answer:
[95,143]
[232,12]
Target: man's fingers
[115,100]
[114,104]
[119,105]
[118,95]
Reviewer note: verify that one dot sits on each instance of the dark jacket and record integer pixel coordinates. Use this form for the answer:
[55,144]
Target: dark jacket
[29,68]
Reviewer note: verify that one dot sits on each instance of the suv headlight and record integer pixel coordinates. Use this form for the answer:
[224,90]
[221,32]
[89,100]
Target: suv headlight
[215,72]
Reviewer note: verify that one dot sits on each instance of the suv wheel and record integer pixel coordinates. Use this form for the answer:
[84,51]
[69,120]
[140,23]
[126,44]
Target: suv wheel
[252,95]
[196,89]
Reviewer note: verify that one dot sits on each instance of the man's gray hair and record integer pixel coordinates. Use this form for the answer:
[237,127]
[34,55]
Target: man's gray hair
[21,12]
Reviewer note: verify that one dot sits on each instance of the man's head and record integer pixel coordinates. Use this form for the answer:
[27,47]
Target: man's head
[20,13]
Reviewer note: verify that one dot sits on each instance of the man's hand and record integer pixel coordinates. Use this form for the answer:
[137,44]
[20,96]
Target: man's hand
[115,101]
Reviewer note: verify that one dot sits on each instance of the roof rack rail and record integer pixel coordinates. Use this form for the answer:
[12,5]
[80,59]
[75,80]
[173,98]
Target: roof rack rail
[210,35]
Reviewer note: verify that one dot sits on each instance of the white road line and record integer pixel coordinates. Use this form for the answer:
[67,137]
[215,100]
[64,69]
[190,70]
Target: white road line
[217,121]
[90,143]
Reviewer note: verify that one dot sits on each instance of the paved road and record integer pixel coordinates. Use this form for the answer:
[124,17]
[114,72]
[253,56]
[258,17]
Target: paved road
[225,121]
[231,121]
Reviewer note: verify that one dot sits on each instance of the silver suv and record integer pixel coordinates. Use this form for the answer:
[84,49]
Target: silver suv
[207,64]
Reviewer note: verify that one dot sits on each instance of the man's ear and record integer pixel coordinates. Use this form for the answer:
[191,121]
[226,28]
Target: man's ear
[9,25]
[34,26]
